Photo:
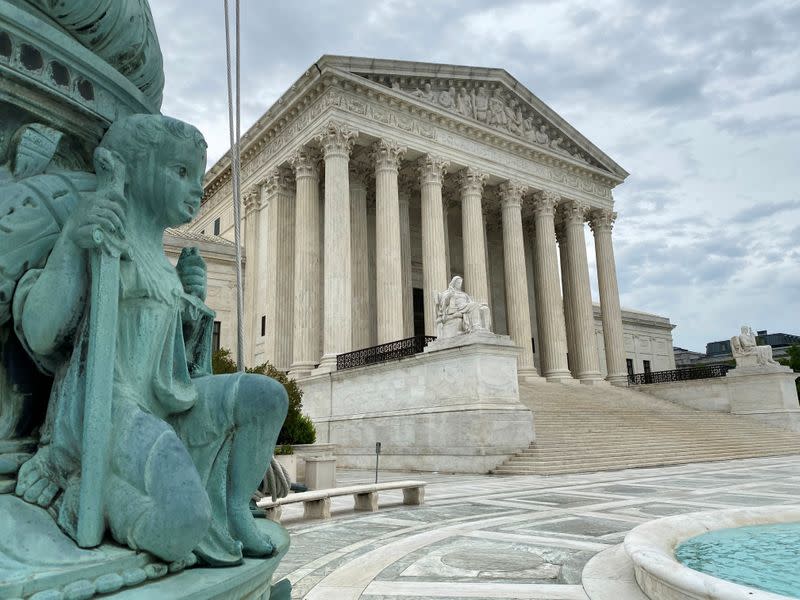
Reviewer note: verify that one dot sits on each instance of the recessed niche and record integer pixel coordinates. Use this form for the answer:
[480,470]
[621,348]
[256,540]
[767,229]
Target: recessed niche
[31,58]
[60,73]
[5,45]
[86,89]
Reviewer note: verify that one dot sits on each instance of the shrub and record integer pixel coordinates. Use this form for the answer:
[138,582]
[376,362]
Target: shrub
[297,428]
[284,450]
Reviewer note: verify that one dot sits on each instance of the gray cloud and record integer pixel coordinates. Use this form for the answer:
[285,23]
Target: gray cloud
[700,101]
[764,210]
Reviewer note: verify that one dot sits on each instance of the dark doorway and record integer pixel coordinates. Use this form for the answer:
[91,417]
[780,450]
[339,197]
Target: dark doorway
[419,312]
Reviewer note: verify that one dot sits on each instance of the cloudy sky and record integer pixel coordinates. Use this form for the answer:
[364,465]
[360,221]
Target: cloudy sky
[699,100]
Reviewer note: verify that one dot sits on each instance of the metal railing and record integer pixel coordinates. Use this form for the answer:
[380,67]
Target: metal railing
[382,353]
[687,374]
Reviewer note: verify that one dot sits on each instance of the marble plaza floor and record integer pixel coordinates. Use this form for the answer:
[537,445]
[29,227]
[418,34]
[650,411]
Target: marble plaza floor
[523,537]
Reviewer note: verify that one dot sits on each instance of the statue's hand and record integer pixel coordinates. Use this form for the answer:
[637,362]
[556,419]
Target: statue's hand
[192,272]
[99,218]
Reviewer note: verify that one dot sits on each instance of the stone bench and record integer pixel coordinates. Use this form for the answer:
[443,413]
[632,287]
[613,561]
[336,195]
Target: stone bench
[317,503]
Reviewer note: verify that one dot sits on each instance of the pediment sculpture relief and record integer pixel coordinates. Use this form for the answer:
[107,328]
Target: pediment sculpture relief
[494,108]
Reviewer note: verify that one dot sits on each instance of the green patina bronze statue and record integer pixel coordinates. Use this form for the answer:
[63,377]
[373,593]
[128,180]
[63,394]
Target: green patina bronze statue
[123,460]
[187,449]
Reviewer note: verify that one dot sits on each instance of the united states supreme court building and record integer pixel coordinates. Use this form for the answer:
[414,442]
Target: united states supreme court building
[370,183]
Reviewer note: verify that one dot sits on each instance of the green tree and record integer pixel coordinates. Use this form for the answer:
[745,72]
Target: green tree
[297,428]
[793,360]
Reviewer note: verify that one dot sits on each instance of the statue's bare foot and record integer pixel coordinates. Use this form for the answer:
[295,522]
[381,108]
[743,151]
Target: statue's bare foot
[34,482]
[243,528]
[179,565]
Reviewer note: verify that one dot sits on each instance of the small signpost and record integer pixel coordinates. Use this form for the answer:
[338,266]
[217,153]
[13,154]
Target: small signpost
[377,459]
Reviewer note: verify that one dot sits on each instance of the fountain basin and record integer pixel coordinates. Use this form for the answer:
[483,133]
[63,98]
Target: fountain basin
[651,547]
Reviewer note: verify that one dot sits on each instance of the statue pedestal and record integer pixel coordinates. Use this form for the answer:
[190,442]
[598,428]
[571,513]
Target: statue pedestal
[769,396]
[480,336]
[38,560]
[453,408]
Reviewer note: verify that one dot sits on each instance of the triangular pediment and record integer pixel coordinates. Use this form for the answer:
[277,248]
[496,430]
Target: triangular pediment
[483,96]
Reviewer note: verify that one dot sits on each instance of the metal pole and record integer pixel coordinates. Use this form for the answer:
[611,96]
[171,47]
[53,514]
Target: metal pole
[377,459]
[235,136]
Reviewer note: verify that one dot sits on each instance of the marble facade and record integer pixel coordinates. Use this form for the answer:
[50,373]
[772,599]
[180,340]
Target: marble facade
[372,179]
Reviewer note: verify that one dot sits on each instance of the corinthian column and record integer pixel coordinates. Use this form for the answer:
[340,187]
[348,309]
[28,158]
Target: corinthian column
[566,294]
[252,204]
[307,259]
[474,235]
[360,257]
[434,275]
[550,311]
[389,282]
[405,257]
[336,140]
[586,364]
[518,309]
[279,269]
[601,222]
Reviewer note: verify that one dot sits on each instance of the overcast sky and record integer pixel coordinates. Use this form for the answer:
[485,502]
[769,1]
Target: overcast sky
[699,100]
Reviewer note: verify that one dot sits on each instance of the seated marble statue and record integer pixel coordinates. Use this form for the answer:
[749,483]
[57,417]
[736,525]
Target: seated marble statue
[187,448]
[748,353]
[457,313]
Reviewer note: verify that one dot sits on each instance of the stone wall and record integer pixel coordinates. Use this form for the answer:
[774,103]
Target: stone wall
[770,397]
[453,410]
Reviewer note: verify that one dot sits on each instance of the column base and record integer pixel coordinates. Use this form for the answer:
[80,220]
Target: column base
[300,370]
[326,365]
[591,379]
[529,375]
[618,380]
[560,377]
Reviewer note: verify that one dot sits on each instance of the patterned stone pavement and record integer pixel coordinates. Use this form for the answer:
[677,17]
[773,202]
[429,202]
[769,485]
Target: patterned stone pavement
[523,537]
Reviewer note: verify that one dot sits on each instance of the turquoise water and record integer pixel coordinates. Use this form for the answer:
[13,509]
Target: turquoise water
[762,556]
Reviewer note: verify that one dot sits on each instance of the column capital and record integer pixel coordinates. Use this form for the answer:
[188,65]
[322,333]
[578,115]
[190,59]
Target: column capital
[305,162]
[573,212]
[277,180]
[602,220]
[431,169]
[336,138]
[511,193]
[251,199]
[545,202]
[360,173]
[387,155]
[471,180]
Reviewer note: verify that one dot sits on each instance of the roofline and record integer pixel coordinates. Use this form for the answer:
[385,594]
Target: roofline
[328,63]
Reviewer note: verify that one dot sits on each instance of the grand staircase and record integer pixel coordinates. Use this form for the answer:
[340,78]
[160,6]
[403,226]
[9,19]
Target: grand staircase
[602,428]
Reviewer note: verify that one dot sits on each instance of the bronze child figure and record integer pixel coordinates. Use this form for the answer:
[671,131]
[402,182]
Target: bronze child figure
[187,448]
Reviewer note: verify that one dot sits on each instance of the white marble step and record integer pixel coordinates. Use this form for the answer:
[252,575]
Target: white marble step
[648,457]
[582,429]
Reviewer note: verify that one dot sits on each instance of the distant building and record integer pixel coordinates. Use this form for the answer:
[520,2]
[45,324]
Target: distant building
[719,352]
[778,341]
[686,358]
